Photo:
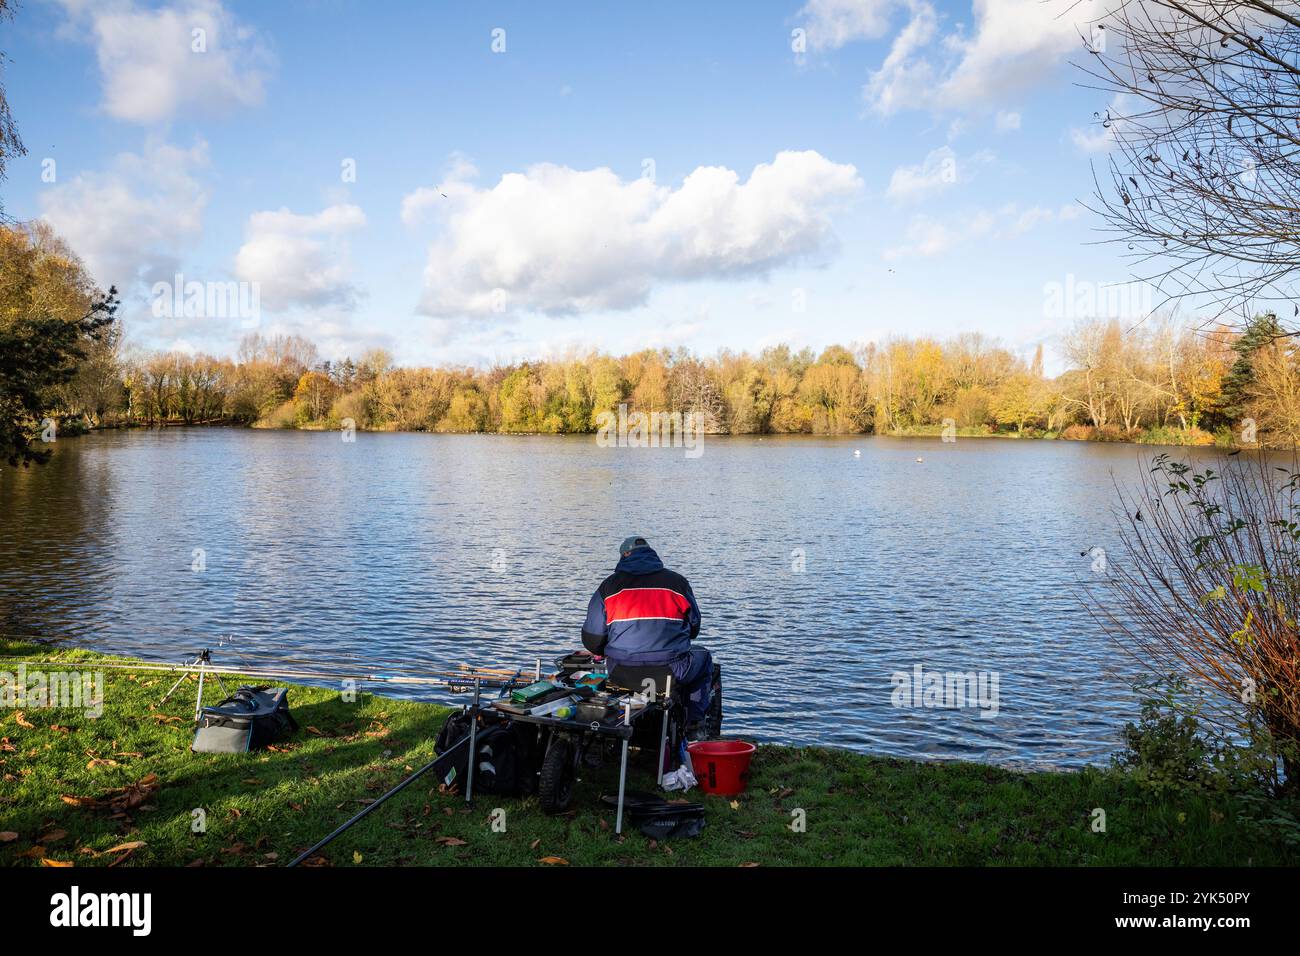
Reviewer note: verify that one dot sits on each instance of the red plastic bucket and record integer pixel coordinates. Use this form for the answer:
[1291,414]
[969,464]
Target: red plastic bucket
[721,766]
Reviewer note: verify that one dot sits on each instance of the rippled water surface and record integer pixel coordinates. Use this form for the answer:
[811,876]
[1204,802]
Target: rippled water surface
[486,549]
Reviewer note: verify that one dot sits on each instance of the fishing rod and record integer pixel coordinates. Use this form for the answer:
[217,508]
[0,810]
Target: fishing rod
[306,854]
[332,664]
[442,760]
[452,678]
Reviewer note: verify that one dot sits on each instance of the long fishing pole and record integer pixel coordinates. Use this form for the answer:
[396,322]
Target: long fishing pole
[441,758]
[433,678]
[255,660]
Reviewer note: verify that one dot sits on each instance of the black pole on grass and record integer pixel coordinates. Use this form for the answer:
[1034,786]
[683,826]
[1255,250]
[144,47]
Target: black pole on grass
[467,740]
[374,806]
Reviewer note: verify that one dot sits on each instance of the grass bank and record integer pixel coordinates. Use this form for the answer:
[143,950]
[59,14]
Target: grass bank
[123,790]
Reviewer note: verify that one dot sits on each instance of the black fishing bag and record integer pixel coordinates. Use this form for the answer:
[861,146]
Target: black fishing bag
[455,727]
[506,763]
[249,719]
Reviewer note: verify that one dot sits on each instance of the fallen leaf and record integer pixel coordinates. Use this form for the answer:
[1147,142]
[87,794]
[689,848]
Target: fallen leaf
[46,861]
[749,865]
[100,763]
[451,841]
[133,845]
[356,856]
[23,721]
[8,836]
[532,846]
[54,836]
[554,861]
[735,804]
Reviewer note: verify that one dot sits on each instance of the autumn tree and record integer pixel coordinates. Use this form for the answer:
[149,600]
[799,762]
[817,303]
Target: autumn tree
[314,394]
[50,316]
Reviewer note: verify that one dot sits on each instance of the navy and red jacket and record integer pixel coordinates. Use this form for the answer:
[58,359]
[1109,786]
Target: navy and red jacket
[642,613]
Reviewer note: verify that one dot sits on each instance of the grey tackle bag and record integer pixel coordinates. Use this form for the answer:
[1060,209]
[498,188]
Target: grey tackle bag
[249,719]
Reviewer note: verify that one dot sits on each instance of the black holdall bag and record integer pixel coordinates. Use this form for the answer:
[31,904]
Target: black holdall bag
[505,761]
[249,719]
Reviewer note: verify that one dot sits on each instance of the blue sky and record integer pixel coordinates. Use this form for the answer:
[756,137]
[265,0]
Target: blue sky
[921,164]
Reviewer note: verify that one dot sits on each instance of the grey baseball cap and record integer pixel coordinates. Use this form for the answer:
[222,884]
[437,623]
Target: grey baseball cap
[632,543]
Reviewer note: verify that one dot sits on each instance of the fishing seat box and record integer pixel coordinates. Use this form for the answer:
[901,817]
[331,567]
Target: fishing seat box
[248,720]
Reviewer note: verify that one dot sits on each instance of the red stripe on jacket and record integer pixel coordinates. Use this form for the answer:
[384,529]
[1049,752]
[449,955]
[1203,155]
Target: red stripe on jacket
[632,603]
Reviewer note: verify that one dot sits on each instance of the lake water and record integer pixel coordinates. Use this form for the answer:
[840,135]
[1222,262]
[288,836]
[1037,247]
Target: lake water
[485,549]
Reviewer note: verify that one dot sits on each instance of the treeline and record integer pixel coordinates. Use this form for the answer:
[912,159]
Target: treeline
[1158,381]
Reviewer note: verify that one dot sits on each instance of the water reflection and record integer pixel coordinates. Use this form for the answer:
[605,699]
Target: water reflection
[486,548]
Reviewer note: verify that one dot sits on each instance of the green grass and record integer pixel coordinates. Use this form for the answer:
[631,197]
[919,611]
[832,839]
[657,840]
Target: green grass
[263,808]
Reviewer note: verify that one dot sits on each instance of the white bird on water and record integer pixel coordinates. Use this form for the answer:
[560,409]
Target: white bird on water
[920,459]
[857,453]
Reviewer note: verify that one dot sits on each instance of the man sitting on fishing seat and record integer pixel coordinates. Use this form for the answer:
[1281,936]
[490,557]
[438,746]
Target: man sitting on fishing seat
[644,615]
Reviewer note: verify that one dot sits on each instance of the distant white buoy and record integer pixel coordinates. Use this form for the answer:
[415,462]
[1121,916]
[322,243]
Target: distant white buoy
[857,453]
[920,459]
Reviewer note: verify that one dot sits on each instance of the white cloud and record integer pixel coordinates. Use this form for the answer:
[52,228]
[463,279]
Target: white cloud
[927,236]
[418,206]
[563,241]
[829,24]
[300,260]
[129,222]
[1097,139]
[941,169]
[1100,135]
[1011,46]
[905,71]
[154,63]
[1007,121]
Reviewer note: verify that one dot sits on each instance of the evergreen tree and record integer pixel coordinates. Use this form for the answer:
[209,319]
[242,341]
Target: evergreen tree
[1260,331]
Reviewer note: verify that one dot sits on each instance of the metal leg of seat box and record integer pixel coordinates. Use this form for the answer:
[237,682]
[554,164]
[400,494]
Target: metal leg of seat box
[473,737]
[663,733]
[622,770]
